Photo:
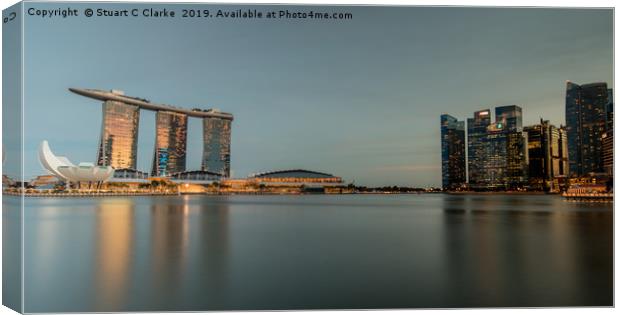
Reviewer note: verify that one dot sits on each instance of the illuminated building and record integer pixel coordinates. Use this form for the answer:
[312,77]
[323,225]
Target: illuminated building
[64,170]
[608,136]
[452,152]
[511,120]
[497,158]
[511,117]
[477,150]
[608,152]
[119,136]
[118,145]
[586,117]
[195,177]
[609,108]
[170,143]
[129,175]
[216,152]
[297,177]
[286,181]
[547,154]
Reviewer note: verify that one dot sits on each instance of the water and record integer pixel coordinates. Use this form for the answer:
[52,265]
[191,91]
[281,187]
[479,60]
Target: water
[315,252]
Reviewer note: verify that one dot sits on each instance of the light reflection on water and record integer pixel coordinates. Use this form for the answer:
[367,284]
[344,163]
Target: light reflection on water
[291,252]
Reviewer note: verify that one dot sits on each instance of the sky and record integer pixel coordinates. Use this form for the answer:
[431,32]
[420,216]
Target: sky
[358,98]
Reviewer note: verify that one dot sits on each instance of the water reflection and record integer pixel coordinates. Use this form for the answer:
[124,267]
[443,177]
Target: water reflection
[287,252]
[508,252]
[11,252]
[114,241]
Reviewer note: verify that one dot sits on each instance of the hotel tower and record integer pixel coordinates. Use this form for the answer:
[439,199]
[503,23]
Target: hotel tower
[118,145]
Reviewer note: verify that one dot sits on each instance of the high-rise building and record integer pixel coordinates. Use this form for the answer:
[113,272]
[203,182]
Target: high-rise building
[118,145]
[608,152]
[477,150]
[547,154]
[170,143]
[453,169]
[119,135]
[609,108]
[216,151]
[586,120]
[497,156]
[562,153]
[510,116]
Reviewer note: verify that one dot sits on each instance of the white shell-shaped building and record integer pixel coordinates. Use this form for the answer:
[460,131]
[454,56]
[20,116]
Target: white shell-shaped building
[62,168]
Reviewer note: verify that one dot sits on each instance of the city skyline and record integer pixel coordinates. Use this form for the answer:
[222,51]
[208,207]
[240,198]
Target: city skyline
[364,107]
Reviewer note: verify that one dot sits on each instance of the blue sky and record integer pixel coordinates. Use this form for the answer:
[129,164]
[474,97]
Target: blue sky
[358,98]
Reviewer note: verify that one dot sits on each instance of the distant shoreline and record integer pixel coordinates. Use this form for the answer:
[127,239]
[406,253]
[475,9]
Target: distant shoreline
[142,194]
[500,193]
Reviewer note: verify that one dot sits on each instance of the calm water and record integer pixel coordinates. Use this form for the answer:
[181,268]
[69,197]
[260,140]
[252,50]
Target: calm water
[315,251]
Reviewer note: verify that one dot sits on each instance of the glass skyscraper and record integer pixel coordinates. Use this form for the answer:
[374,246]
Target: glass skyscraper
[216,151]
[511,117]
[170,143]
[119,134]
[118,145]
[477,148]
[586,119]
[497,158]
[453,168]
[547,154]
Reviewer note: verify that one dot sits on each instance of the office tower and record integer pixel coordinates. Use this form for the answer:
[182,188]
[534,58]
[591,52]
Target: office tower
[216,150]
[608,152]
[546,153]
[497,156]
[609,108]
[495,162]
[516,158]
[118,144]
[539,154]
[452,152]
[562,155]
[586,117]
[511,118]
[477,150]
[170,143]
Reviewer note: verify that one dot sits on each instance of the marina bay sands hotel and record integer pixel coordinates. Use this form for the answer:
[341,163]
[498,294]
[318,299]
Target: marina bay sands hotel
[118,145]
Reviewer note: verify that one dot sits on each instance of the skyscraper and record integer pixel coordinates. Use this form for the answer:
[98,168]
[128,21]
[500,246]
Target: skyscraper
[608,136]
[547,154]
[586,117]
[511,116]
[610,109]
[216,151]
[608,152]
[118,145]
[497,157]
[170,143]
[453,169]
[477,150]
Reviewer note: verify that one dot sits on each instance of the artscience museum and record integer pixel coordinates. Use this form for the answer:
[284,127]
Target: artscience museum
[62,168]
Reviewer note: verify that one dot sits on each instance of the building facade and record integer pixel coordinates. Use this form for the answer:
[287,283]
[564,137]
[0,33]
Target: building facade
[586,121]
[216,152]
[497,156]
[547,154]
[453,167]
[119,135]
[477,149]
[608,152]
[118,144]
[170,143]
